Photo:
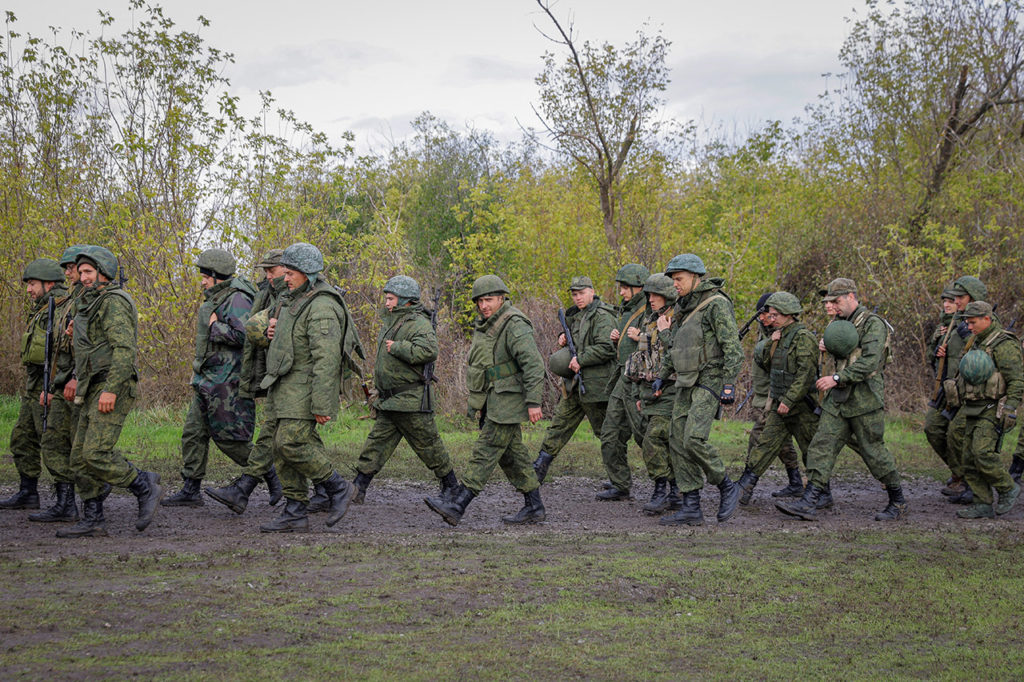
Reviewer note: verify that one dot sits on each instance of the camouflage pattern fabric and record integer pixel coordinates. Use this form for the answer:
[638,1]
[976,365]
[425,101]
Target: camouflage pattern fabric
[835,431]
[261,454]
[777,435]
[300,457]
[621,421]
[693,457]
[222,416]
[786,454]
[982,466]
[93,458]
[59,437]
[656,446]
[418,428]
[500,445]
[25,435]
[569,414]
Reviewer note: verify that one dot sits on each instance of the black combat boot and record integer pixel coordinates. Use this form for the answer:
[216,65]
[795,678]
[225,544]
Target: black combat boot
[730,498]
[147,488]
[532,511]
[448,484]
[825,500]
[361,482]
[795,488]
[806,507]
[63,509]
[92,522]
[27,496]
[659,498]
[319,502]
[293,518]
[688,515]
[607,485]
[897,506]
[966,497]
[235,496]
[675,503]
[747,483]
[1016,468]
[454,506]
[954,487]
[273,486]
[340,493]
[612,494]
[541,464]
[1007,500]
[190,495]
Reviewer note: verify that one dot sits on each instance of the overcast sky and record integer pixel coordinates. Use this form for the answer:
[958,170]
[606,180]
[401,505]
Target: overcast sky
[372,66]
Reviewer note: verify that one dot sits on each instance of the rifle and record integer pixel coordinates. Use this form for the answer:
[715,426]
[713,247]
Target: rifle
[938,393]
[48,350]
[571,345]
[745,329]
[426,403]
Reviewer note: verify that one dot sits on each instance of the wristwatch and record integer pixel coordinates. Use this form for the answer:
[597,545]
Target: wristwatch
[835,378]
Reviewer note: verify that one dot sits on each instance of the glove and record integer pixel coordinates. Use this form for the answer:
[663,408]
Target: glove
[1009,420]
[657,384]
[962,331]
[728,396]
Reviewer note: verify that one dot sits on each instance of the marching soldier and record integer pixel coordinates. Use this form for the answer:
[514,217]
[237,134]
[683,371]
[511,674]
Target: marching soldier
[853,406]
[591,324]
[944,346]
[505,374]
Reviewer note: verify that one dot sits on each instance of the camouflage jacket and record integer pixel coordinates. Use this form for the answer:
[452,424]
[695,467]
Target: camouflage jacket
[759,379]
[1006,355]
[861,386]
[651,348]
[63,346]
[254,352]
[34,339]
[218,350]
[720,355]
[398,373]
[106,341]
[631,314]
[793,366]
[591,333]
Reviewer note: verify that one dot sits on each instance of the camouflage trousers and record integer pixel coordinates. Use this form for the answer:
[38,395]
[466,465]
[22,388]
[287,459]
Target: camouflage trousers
[776,435]
[418,428]
[209,418]
[982,464]
[621,421]
[693,457]
[26,436]
[59,437]
[299,455]
[787,454]
[936,430]
[835,431]
[93,458]
[568,415]
[656,446]
[1019,452]
[500,445]
[261,454]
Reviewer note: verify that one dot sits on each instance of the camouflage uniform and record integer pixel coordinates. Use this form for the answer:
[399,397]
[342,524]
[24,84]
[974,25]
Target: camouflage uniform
[63,417]
[591,333]
[218,410]
[760,405]
[403,406]
[952,332]
[254,368]
[622,419]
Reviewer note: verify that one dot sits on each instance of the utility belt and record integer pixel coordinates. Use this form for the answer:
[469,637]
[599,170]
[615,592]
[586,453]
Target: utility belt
[387,393]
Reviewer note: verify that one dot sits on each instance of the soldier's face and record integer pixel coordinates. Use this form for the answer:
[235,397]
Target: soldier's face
[390,301]
[657,301]
[765,318]
[294,279]
[961,301]
[35,288]
[88,275]
[71,273]
[978,324]
[208,282]
[948,306]
[626,292]
[274,272]
[488,305]
[778,320]
[582,297]
[684,282]
[830,308]
[846,304]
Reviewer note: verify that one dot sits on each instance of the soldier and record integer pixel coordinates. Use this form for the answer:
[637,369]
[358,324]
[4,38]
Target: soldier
[853,406]
[63,418]
[761,385]
[991,370]
[106,345]
[944,347]
[217,411]
[505,375]
[791,358]
[622,419]
[705,356]
[591,323]
[44,280]
[254,367]
[965,290]
[404,409]
[642,367]
[303,380]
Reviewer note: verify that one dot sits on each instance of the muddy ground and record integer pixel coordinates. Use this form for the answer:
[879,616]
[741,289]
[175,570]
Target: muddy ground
[396,508]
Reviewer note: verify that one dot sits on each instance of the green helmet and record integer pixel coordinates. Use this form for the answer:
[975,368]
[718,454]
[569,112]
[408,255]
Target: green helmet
[976,367]
[102,258]
[972,286]
[70,254]
[43,269]
[303,257]
[218,261]
[662,285]
[256,328]
[403,287]
[632,275]
[841,338]
[487,285]
[785,303]
[559,363]
[687,262]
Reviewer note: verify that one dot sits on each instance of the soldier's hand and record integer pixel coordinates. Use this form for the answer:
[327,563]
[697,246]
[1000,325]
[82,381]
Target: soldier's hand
[389,343]
[213,318]
[777,335]
[1009,420]
[664,322]
[321,419]
[561,340]
[821,345]
[70,388]
[43,399]
[633,333]
[639,406]
[782,409]
[574,364]
[271,326]
[107,402]
[70,331]
[940,352]
[615,335]
[535,414]
[825,383]
[656,386]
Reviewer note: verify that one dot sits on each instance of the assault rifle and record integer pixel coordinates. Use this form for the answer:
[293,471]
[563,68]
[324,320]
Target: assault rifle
[426,403]
[938,392]
[571,345]
[48,350]
[745,329]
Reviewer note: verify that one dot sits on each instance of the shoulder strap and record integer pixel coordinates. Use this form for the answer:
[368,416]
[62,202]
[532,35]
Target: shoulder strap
[703,304]
[632,318]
